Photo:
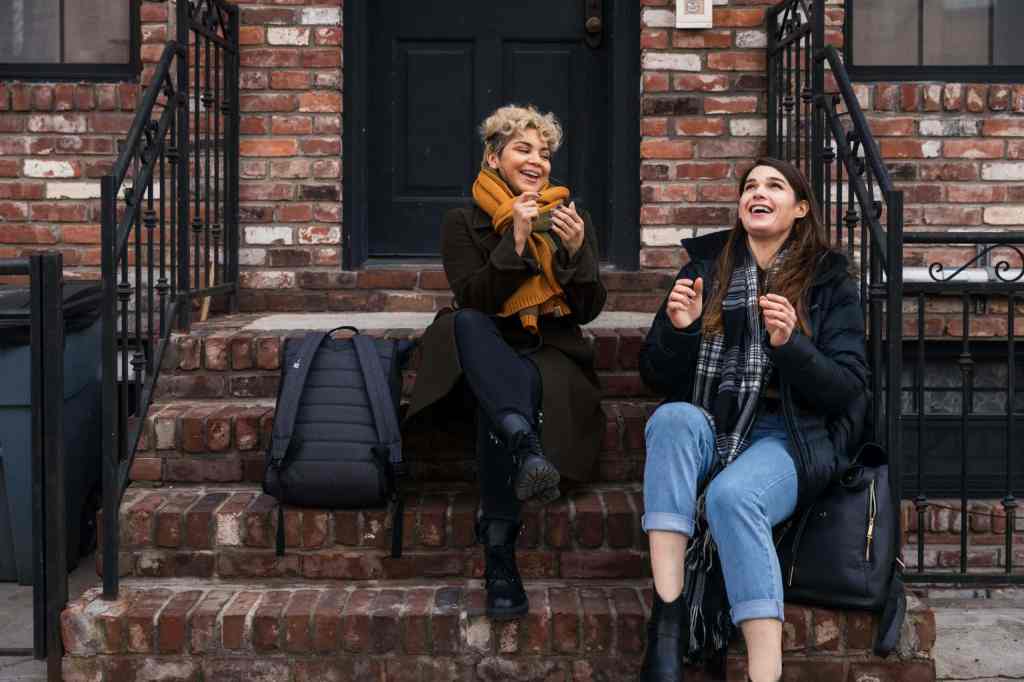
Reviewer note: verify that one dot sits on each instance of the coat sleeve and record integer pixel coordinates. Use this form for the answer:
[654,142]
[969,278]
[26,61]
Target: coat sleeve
[479,280]
[832,372]
[580,276]
[668,356]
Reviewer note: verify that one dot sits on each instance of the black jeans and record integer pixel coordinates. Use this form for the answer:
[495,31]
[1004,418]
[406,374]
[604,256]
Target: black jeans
[502,381]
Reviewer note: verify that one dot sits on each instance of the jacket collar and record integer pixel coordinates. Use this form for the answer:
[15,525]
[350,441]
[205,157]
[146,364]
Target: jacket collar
[705,249]
[478,218]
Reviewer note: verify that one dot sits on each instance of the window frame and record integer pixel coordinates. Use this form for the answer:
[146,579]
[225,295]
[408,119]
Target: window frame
[127,71]
[906,72]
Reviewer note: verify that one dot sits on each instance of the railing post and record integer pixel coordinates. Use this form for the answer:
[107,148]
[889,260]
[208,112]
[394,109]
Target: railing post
[50,577]
[184,152]
[818,90]
[894,340]
[234,117]
[111,454]
[771,25]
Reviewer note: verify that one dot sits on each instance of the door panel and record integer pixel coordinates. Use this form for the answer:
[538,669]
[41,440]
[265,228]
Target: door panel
[436,70]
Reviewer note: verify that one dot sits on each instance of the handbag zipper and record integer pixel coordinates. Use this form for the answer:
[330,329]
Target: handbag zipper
[872,511]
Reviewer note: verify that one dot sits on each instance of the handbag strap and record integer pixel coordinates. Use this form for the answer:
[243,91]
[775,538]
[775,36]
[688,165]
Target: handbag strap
[290,395]
[890,623]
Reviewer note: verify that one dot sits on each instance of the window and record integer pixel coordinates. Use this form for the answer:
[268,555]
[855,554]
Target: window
[935,39]
[69,39]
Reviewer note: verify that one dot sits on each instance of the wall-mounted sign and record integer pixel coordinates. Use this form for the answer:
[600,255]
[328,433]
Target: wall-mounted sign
[693,13]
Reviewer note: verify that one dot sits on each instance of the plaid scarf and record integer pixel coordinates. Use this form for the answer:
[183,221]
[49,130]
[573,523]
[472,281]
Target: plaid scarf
[733,369]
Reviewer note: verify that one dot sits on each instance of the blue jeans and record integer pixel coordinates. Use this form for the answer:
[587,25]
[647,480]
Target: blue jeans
[757,491]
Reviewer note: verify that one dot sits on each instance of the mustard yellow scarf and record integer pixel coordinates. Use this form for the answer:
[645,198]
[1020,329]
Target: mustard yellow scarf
[540,294]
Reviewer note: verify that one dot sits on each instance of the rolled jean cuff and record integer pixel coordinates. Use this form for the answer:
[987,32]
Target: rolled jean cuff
[758,608]
[667,521]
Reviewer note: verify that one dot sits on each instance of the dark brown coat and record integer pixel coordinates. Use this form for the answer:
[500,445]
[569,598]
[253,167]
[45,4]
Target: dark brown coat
[484,269]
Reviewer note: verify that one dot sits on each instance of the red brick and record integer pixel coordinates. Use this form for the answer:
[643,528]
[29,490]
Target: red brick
[565,620]
[653,39]
[666,149]
[973,149]
[199,521]
[355,626]
[597,621]
[172,622]
[203,620]
[737,61]
[655,82]
[140,620]
[700,40]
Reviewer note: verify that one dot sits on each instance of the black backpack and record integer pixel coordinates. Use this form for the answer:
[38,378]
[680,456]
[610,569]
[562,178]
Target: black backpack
[336,441]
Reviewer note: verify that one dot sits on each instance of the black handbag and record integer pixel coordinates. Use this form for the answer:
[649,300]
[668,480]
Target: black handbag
[842,550]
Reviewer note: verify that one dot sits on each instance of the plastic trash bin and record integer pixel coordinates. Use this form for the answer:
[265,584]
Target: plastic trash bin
[82,423]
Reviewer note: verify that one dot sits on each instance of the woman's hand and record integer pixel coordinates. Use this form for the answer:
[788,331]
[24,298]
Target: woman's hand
[685,302]
[779,318]
[524,210]
[568,225]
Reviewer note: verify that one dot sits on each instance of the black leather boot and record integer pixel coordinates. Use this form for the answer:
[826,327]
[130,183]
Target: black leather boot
[536,476]
[506,599]
[667,635]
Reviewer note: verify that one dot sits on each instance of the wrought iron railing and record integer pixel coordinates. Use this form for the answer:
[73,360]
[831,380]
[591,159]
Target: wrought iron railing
[959,388]
[49,519]
[827,136]
[170,230]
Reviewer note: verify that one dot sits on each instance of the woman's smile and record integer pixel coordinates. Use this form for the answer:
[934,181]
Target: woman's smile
[525,162]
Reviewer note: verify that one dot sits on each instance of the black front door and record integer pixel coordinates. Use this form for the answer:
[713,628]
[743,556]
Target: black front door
[436,69]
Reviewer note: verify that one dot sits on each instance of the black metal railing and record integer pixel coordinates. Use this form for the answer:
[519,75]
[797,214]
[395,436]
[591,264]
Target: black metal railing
[169,217]
[961,407]
[956,407]
[49,522]
[827,136]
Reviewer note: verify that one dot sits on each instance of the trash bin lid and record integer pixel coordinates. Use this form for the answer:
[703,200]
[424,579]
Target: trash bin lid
[82,307]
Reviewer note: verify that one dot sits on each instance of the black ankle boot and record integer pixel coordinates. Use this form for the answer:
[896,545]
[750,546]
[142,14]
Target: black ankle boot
[506,599]
[667,634]
[536,476]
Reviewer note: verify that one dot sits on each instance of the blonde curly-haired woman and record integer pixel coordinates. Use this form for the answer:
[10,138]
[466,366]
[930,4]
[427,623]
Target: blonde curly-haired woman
[523,266]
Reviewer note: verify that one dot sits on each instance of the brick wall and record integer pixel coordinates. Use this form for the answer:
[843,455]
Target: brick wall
[56,141]
[956,148]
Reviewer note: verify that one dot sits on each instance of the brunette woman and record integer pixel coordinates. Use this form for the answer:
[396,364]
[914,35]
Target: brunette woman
[523,266]
[759,349]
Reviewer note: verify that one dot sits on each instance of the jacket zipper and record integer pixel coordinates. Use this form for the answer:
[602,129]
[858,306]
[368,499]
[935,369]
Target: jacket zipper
[796,543]
[795,436]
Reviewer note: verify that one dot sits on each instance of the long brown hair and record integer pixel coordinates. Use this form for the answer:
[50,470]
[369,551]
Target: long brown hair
[807,244]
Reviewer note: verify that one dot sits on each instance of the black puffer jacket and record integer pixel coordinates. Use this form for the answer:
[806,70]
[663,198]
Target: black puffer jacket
[823,379]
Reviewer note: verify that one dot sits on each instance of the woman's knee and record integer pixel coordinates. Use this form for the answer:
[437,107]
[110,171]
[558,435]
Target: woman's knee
[677,420]
[467,319]
[729,497]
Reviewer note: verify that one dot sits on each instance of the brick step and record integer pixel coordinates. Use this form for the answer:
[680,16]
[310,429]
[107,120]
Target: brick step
[223,359]
[223,441]
[229,533]
[430,631]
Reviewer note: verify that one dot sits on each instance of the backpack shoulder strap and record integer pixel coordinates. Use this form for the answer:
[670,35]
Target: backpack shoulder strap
[381,403]
[385,419]
[291,392]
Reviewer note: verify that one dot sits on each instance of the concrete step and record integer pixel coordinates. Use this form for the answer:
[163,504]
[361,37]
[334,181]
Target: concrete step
[427,631]
[229,533]
[224,441]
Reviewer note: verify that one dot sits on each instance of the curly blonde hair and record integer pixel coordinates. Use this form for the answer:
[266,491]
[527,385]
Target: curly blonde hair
[506,122]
